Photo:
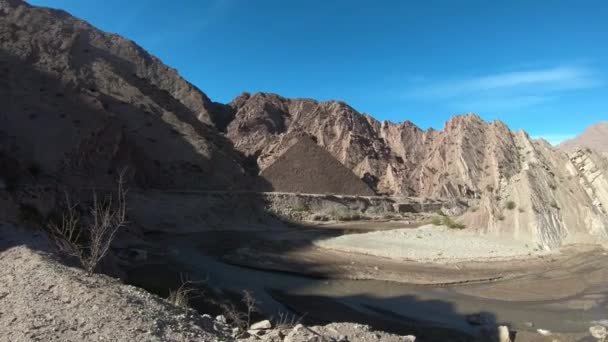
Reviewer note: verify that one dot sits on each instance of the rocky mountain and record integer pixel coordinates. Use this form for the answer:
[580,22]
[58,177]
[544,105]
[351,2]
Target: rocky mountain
[594,137]
[517,186]
[79,104]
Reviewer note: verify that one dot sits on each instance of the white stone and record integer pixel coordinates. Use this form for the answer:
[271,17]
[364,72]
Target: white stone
[543,332]
[503,334]
[265,324]
[599,332]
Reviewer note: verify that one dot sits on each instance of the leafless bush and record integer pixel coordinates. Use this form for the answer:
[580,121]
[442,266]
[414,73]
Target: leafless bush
[287,321]
[184,293]
[89,238]
[240,319]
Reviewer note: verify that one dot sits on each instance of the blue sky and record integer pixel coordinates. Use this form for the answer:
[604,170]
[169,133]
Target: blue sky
[537,65]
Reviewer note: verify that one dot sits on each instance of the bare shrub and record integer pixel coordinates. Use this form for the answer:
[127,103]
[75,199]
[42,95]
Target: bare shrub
[187,291]
[287,321]
[240,319]
[89,238]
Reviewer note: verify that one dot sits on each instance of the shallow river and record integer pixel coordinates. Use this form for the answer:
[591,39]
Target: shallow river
[388,305]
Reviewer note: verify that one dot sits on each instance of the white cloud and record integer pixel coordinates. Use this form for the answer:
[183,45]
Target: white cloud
[523,83]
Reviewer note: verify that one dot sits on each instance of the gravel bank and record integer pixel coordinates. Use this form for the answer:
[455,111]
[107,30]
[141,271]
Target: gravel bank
[431,244]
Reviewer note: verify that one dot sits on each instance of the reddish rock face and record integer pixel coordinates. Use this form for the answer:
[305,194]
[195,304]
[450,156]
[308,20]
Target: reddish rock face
[393,158]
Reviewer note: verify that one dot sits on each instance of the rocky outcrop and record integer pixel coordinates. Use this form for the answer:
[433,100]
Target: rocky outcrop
[522,188]
[460,160]
[80,103]
[594,137]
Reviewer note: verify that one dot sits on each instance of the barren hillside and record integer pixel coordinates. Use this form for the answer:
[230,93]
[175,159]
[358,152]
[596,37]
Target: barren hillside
[595,137]
[81,103]
[520,187]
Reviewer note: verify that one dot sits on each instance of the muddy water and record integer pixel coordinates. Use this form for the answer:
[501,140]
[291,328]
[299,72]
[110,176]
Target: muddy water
[386,305]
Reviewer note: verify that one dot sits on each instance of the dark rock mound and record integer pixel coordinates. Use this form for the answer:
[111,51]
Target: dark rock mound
[308,168]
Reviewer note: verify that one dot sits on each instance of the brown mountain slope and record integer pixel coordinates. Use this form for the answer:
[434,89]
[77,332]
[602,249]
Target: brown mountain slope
[518,187]
[307,168]
[394,158]
[595,137]
[81,103]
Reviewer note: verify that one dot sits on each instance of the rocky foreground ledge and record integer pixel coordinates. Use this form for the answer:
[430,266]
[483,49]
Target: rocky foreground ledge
[43,300]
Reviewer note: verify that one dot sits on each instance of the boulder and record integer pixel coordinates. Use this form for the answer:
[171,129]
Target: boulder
[599,332]
[262,325]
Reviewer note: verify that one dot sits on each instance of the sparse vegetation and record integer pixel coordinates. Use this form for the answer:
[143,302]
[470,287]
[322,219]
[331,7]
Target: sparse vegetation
[181,296]
[240,319]
[446,221]
[511,205]
[89,238]
[439,212]
[287,321]
[300,208]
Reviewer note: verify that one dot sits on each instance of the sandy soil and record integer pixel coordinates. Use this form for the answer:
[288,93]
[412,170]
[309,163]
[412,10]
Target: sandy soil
[431,244]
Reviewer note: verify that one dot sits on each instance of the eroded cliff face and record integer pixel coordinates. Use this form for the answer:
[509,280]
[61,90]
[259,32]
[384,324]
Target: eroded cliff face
[82,103]
[518,187]
[462,159]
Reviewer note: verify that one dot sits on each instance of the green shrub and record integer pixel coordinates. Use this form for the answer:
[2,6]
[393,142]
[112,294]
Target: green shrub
[439,212]
[446,221]
[511,205]
[300,208]
[453,224]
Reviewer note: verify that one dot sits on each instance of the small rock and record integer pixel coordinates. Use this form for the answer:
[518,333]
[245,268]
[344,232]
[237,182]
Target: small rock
[599,332]
[543,332]
[265,324]
[409,338]
[221,319]
[343,338]
[256,332]
[503,334]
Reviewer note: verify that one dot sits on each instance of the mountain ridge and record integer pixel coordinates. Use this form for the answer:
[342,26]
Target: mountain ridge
[81,104]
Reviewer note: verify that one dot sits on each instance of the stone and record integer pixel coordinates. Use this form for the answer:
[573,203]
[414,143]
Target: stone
[503,334]
[265,324]
[599,332]
[221,319]
[409,338]
[543,332]
[256,332]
